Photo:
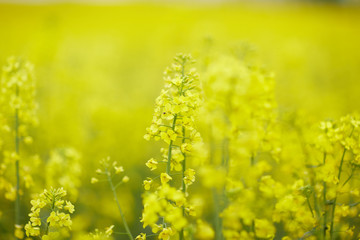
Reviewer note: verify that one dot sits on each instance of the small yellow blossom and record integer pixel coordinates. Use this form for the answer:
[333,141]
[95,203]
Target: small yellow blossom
[94,180]
[141,236]
[152,164]
[125,179]
[164,177]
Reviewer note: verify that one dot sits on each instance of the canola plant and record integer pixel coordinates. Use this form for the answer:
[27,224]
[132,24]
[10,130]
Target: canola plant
[216,148]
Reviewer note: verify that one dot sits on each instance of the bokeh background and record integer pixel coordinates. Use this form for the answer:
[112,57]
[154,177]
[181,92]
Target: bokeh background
[99,67]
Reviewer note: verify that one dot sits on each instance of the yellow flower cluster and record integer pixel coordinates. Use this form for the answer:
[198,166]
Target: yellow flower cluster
[63,169]
[256,171]
[102,235]
[17,113]
[57,220]
[242,143]
[174,123]
[17,93]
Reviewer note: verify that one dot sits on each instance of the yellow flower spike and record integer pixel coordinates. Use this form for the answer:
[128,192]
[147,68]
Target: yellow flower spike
[17,115]
[164,177]
[58,221]
[173,122]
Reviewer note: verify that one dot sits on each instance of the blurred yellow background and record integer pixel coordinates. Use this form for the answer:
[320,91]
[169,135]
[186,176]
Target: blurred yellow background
[99,69]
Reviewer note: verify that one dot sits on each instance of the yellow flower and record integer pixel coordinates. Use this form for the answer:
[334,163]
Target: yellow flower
[94,180]
[31,231]
[164,177]
[119,169]
[186,147]
[204,231]
[189,176]
[264,229]
[109,230]
[147,184]
[125,179]
[166,233]
[19,233]
[53,218]
[141,236]
[152,164]
[59,204]
[168,136]
[37,203]
[69,207]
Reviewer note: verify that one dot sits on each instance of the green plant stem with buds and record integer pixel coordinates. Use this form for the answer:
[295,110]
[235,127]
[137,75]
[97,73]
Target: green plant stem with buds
[183,183]
[334,203]
[181,234]
[168,168]
[17,167]
[324,204]
[113,189]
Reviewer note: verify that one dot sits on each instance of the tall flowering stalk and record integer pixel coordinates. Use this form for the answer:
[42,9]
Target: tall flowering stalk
[242,141]
[322,202]
[165,204]
[339,142]
[18,109]
[109,170]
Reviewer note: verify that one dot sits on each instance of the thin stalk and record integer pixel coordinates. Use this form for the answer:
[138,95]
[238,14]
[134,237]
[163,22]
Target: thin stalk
[334,203]
[348,179]
[17,164]
[119,207]
[218,223]
[324,203]
[181,234]
[254,229]
[309,205]
[170,147]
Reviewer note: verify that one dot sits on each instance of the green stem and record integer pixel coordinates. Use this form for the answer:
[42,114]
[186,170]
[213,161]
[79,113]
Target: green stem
[254,229]
[168,165]
[17,164]
[218,223]
[181,234]
[348,179]
[334,203]
[309,205]
[119,207]
[324,203]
